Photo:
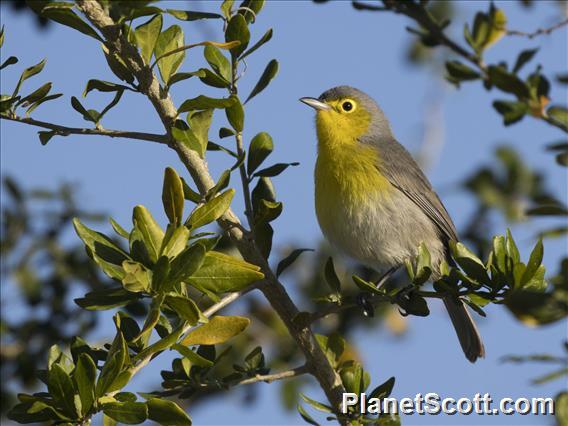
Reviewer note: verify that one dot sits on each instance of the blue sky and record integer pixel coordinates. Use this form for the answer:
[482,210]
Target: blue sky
[318,47]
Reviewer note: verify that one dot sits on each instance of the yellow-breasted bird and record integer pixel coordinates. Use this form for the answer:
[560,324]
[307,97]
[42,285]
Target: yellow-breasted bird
[372,200]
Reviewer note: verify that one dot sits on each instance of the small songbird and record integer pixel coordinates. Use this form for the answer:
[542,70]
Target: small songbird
[372,200]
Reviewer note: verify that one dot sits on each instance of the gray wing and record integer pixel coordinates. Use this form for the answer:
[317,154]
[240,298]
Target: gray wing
[404,174]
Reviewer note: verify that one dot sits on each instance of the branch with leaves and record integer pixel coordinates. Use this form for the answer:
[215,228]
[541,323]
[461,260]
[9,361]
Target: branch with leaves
[532,93]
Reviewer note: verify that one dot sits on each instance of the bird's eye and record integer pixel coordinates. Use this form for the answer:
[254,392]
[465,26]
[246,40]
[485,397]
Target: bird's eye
[347,106]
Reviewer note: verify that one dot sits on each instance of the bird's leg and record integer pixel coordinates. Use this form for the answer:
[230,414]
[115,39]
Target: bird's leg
[384,278]
[363,298]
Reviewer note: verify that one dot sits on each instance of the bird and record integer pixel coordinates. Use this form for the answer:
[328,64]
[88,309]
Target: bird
[374,203]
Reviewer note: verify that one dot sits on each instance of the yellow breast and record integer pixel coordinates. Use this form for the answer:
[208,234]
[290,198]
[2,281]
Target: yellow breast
[346,175]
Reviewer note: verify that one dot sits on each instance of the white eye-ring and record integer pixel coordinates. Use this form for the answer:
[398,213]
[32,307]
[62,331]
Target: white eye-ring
[348,106]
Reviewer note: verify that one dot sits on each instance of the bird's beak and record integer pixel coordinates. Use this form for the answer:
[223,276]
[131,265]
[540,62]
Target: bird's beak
[315,104]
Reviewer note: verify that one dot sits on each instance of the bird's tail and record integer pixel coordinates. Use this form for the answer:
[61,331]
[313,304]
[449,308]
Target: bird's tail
[466,329]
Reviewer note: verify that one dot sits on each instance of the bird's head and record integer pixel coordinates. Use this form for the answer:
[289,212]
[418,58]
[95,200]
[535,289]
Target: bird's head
[345,115]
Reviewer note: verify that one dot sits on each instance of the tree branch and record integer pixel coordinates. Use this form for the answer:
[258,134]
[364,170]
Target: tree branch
[316,361]
[65,131]
[540,31]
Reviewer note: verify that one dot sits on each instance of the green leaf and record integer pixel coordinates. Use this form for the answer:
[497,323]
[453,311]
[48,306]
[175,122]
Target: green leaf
[512,250]
[559,114]
[470,263]
[331,277]
[333,347]
[226,7]
[136,278]
[218,62]
[237,30]
[10,61]
[534,263]
[36,95]
[221,184]
[461,72]
[172,196]
[2,36]
[146,36]
[41,101]
[218,330]
[307,418]
[269,73]
[192,356]
[289,260]
[548,210]
[183,134]
[190,15]
[384,390]
[67,17]
[508,82]
[186,263]
[168,40]
[524,57]
[28,72]
[85,375]
[365,285]
[562,408]
[117,65]
[119,229]
[181,76]
[236,115]
[151,232]
[184,307]
[152,319]
[204,102]
[45,136]
[175,241]
[317,405]
[160,274]
[130,413]
[225,132]
[209,78]
[200,122]
[105,299]
[263,40]
[414,304]
[275,169]
[511,111]
[423,266]
[104,252]
[260,148]
[88,115]
[167,413]
[221,273]
[61,389]
[115,361]
[211,211]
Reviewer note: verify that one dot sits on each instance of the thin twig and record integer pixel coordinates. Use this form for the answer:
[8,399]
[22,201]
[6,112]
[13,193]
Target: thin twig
[269,378]
[538,32]
[65,131]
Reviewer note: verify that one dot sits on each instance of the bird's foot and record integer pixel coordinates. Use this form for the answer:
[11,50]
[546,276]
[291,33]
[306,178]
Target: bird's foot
[404,293]
[385,277]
